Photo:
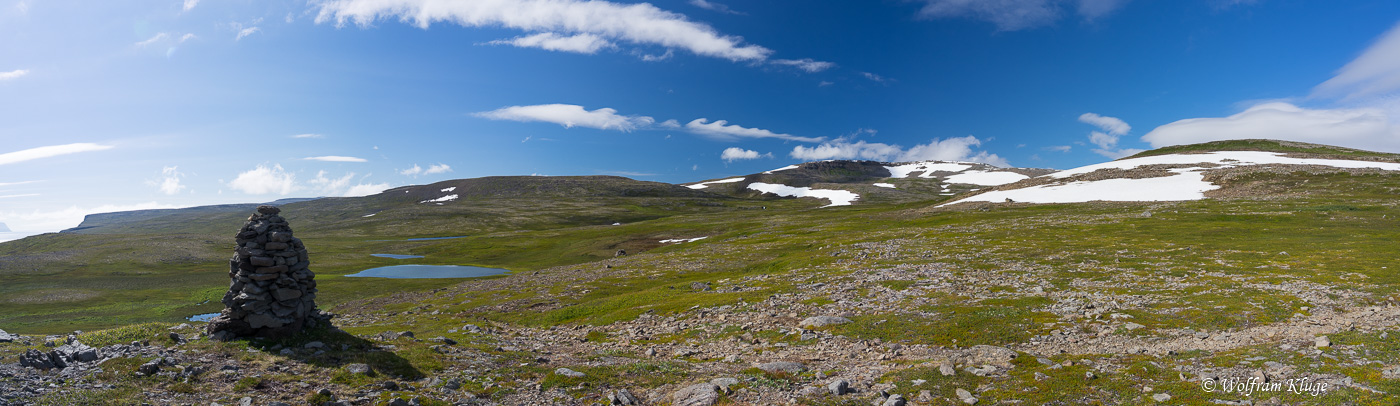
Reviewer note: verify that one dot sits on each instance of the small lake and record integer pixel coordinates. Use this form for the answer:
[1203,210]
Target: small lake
[396,256]
[202,317]
[427,272]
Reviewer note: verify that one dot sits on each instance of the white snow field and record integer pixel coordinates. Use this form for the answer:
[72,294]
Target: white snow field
[836,197]
[1186,184]
[985,178]
[888,185]
[781,169]
[703,185]
[447,198]
[928,167]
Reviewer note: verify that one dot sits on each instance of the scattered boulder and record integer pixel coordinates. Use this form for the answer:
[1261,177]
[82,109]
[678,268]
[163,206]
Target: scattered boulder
[839,387]
[7,337]
[569,373]
[894,400]
[782,366]
[822,321]
[966,397]
[272,291]
[1161,397]
[946,369]
[1322,342]
[622,398]
[700,394]
[359,369]
[149,368]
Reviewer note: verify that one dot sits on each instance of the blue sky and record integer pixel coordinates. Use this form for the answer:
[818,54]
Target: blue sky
[143,104]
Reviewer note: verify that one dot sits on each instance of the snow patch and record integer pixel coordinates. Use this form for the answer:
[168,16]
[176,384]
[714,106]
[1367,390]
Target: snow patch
[369,215]
[836,197]
[447,198]
[1227,159]
[903,171]
[1186,184]
[888,185]
[680,240]
[781,169]
[986,178]
[445,190]
[703,185]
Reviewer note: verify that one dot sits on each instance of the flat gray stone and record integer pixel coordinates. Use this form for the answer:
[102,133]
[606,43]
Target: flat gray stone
[700,394]
[823,321]
[782,366]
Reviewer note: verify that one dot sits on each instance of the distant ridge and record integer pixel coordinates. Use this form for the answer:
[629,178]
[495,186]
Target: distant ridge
[94,222]
[4,229]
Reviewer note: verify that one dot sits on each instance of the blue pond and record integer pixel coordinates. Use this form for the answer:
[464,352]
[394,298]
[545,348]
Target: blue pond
[396,256]
[427,272]
[202,317]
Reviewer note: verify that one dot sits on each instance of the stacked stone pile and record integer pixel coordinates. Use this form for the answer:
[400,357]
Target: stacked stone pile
[272,292]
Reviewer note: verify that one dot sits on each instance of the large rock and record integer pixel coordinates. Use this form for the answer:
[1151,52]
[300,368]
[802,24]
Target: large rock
[272,291]
[823,321]
[989,355]
[782,366]
[700,394]
[7,337]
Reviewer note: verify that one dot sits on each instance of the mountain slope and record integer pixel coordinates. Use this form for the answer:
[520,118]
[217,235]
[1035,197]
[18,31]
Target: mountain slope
[843,182]
[1226,169]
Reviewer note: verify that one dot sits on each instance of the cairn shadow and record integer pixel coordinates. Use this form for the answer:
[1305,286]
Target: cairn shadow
[337,349]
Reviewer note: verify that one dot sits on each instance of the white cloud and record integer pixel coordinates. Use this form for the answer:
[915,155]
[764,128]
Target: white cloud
[187,37]
[246,32]
[154,39]
[569,115]
[189,4]
[432,170]
[170,180]
[719,130]
[1014,15]
[329,186]
[439,168]
[806,64]
[951,149]
[265,180]
[1376,72]
[366,189]
[22,6]
[334,158]
[4,184]
[641,23]
[1107,140]
[309,136]
[824,83]
[59,219]
[581,43]
[873,77]
[732,154]
[19,195]
[712,6]
[49,151]
[1058,148]
[1111,125]
[14,74]
[1366,128]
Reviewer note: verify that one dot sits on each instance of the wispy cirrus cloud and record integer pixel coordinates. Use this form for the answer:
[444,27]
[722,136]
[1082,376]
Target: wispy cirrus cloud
[14,74]
[246,32]
[1376,72]
[569,116]
[1015,15]
[309,136]
[335,158]
[712,6]
[722,130]
[549,41]
[806,64]
[640,24]
[49,151]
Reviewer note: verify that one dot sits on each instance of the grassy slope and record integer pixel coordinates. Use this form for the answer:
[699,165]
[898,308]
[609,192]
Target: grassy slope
[1206,265]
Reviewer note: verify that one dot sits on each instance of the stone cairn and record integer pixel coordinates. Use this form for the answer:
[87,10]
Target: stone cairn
[272,291]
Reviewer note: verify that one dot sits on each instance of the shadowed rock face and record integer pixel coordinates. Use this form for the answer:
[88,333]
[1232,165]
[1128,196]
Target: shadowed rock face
[272,292]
